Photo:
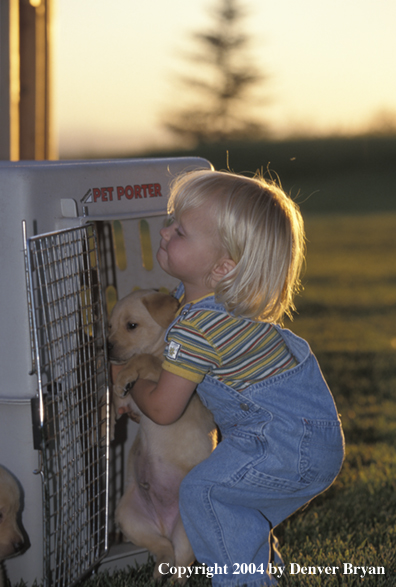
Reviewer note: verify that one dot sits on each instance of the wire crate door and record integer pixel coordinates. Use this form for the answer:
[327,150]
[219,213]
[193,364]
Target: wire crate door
[69,351]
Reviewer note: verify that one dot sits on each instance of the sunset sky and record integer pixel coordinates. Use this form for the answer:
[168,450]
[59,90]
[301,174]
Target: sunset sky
[331,66]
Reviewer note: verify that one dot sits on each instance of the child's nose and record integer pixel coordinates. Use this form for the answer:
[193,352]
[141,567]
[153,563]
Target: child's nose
[165,232]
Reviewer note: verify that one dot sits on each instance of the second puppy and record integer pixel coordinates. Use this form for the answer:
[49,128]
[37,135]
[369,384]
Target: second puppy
[11,538]
[161,456]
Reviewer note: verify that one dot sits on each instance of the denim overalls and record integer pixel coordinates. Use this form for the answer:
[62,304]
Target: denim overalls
[282,444]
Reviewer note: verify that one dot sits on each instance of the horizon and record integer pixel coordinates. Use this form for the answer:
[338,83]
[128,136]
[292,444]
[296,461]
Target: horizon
[329,68]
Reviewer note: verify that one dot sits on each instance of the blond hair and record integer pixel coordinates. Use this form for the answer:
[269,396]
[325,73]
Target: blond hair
[261,229]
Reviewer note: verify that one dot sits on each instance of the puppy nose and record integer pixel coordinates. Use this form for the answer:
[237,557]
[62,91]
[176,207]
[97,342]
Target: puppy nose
[18,546]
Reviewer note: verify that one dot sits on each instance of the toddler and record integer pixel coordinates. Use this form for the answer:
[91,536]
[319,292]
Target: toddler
[237,245]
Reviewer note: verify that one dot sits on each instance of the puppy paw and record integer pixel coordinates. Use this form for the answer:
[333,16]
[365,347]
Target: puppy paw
[124,405]
[124,383]
[132,415]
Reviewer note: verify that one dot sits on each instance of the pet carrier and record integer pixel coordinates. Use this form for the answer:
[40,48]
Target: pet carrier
[75,237]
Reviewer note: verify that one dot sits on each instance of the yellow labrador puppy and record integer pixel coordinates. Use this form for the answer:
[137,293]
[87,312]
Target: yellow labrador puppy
[161,456]
[11,538]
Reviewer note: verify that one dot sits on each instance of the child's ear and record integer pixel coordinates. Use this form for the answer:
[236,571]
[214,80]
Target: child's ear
[222,268]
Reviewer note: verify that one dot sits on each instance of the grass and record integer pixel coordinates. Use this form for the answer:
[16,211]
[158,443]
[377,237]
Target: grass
[349,297]
[347,312]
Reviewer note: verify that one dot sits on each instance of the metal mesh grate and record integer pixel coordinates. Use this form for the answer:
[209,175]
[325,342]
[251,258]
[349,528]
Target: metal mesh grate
[70,360]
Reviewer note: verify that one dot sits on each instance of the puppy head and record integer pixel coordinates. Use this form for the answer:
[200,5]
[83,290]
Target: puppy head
[138,322]
[11,538]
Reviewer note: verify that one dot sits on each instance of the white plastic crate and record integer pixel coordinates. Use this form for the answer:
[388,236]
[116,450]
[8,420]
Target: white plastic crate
[75,236]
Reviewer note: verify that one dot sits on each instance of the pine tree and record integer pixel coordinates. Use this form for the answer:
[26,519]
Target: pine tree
[223,85]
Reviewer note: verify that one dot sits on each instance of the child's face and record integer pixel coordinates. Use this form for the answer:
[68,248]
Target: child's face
[190,248]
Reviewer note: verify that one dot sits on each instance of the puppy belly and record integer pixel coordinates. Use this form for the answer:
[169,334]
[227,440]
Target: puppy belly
[158,493]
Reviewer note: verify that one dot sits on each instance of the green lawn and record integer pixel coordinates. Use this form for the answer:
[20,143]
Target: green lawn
[349,297]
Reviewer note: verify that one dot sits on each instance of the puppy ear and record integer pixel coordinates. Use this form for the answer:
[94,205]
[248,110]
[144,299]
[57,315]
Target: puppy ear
[161,307]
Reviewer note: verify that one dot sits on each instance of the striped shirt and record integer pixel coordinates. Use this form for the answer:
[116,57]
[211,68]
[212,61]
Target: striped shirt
[236,351]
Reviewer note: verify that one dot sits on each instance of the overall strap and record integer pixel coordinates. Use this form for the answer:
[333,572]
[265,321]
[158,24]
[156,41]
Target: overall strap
[207,303]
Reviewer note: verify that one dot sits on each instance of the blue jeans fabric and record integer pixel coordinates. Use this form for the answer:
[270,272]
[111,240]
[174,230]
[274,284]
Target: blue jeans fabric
[282,444]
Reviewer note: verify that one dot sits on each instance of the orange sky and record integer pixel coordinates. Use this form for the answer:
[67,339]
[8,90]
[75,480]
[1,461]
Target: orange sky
[331,66]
